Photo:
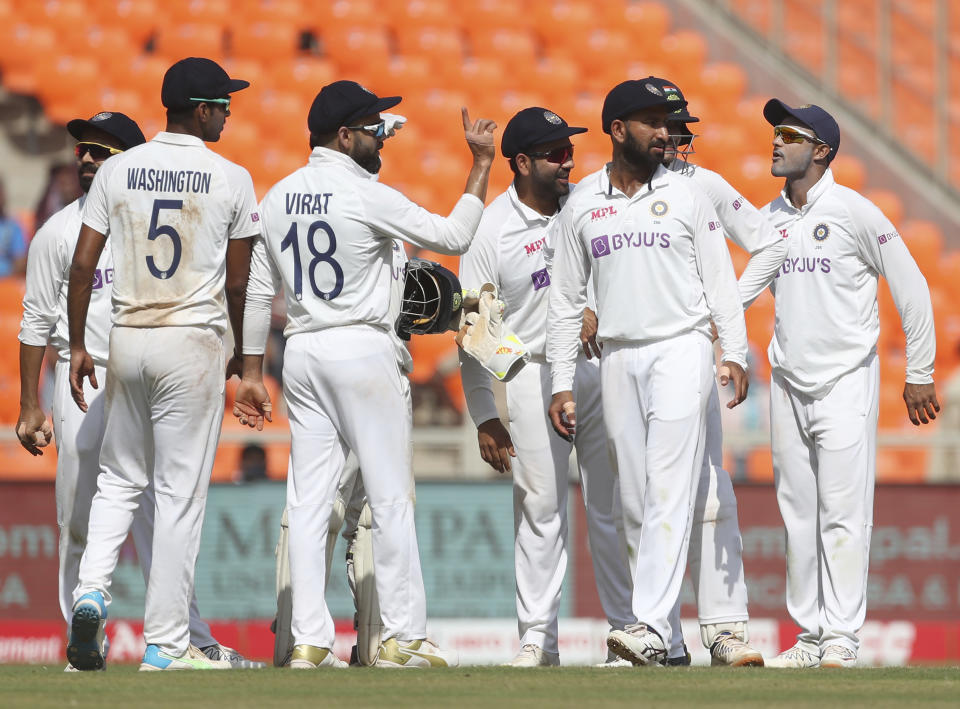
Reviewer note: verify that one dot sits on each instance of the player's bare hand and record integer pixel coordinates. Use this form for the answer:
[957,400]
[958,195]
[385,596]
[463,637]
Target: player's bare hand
[714,335]
[234,367]
[496,447]
[479,136]
[81,367]
[563,414]
[34,430]
[251,405]
[588,334]
[921,401]
[733,372]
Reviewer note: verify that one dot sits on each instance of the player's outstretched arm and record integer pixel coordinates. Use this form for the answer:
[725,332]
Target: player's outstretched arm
[89,247]
[563,414]
[251,405]
[33,428]
[496,446]
[239,252]
[479,137]
[921,401]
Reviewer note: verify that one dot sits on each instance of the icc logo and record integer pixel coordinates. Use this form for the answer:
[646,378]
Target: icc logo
[600,246]
[659,208]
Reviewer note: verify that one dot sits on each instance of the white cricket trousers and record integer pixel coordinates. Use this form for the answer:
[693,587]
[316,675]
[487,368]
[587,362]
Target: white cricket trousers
[164,408]
[79,437]
[654,402]
[540,487]
[824,467]
[715,558]
[344,391]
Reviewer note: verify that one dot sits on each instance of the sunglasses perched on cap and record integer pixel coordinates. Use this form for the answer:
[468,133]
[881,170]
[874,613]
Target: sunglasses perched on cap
[377,129]
[225,102]
[789,134]
[97,151]
[557,156]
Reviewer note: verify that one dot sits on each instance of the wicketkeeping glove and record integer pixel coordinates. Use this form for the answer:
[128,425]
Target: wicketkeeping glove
[483,336]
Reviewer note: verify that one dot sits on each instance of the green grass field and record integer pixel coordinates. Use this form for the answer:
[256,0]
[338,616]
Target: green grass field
[487,687]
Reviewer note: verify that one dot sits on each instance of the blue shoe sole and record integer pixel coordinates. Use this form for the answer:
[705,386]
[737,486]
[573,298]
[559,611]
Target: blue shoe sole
[83,651]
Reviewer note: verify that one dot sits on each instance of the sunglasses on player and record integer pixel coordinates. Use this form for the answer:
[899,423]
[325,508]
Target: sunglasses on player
[97,151]
[789,134]
[225,102]
[558,156]
[377,129]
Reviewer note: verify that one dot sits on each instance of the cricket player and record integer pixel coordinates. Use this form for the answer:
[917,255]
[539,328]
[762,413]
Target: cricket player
[79,435]
[661,272]
[509,252]
[825,379]
[329,231]
[180,220]
[715,556]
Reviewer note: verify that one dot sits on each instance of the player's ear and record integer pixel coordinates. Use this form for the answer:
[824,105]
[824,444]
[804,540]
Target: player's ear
[618,130]
[344,138]
[523,164]
[821,152]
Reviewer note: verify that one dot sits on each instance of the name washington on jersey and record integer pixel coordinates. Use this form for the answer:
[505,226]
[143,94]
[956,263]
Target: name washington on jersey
[153,180]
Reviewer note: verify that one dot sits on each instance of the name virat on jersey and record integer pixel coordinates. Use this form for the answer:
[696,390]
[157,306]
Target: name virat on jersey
[154,180]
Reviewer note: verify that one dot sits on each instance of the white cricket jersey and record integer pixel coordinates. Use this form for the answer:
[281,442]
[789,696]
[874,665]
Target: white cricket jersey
[509,251]
[827,321]
[744,225]
[329,230]
[169,206]
[659,263]
[48,275]
[396,301]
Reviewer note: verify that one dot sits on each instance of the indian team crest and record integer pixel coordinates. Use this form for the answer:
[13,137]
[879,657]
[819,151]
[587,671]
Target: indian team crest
[102,116]
[821,232]
[457,300]
[659,208]
[552,117]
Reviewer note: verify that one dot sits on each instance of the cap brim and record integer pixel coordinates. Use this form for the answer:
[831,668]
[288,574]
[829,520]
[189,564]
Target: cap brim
[77,126]
[384,103]
[237,85]
[776,110]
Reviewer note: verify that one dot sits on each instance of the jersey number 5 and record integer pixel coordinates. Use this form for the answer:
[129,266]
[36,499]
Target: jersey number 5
[165,230]
[292,241]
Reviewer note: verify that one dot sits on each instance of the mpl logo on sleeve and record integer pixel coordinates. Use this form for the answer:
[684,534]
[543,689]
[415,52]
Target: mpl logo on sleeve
[600,246]
[541,279]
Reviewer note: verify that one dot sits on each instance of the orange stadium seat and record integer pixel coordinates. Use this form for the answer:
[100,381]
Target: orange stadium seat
[296,11]
[355,48]
[101,42]
[889,203]
[562,24]
[305,76]
[925,242]
[556,77]
[488,15]
[687,50]
[341,15]
[509,44]
[439,45]
[483,77]
[849,171]
[645,20]
[409,15]
[20,45]
[174,42]
[208,12]
[269,41]
[138,18]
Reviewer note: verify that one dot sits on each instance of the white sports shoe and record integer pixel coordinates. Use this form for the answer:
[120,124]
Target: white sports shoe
[228,654]
[156,659]
[531,655]
[727,649]
[794,658]
[414,653]
[613,661]
[310,657]
[638,644]
[838,656]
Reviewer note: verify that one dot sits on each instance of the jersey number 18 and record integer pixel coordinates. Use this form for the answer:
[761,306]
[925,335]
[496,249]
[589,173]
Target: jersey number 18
[292,241]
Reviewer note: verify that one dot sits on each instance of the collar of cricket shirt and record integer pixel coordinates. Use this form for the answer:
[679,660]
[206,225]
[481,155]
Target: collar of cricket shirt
[813,194]
[660,178]
[326,156]
[177,138]
[528,213]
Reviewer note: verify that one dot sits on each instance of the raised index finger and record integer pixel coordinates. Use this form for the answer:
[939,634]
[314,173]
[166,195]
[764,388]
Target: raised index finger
[467,125]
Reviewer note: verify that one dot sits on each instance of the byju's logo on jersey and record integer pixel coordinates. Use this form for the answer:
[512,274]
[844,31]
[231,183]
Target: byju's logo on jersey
[541,279]
[600,246]
[102,278]
[713,225]
[254,216]
[737,203]
[889,236]
[659,208]
[821,232]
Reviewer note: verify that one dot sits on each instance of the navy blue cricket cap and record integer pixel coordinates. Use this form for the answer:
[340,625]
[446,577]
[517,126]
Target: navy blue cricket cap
[119,125]
[343,102]
[670,89]
[534,126]
[196,78]
[818,120]
[636,95]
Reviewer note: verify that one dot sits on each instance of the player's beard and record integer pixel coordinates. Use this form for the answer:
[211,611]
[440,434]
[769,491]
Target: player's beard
[369,161]
[639,158]
[85,173]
